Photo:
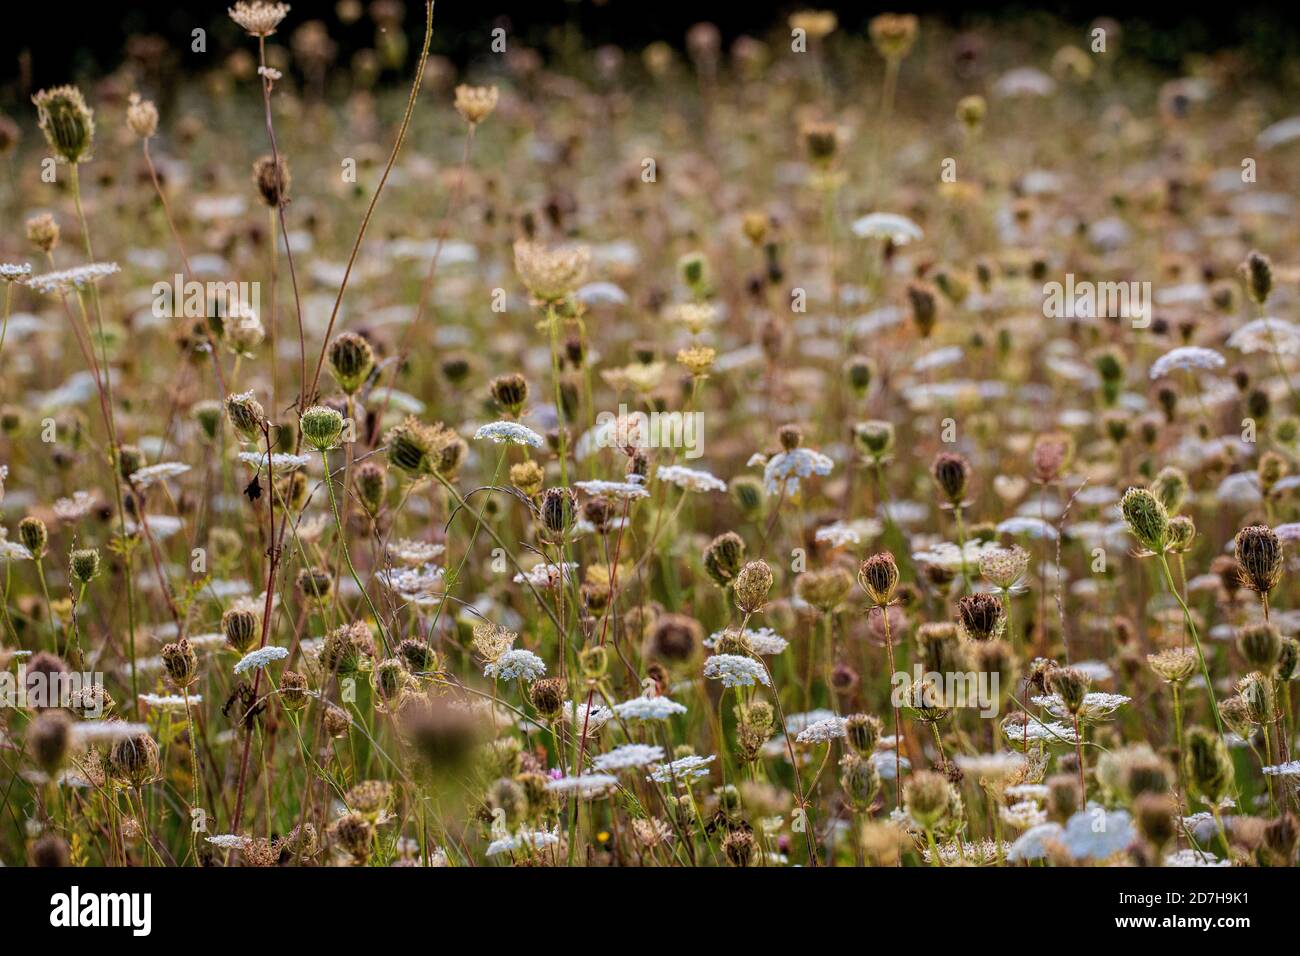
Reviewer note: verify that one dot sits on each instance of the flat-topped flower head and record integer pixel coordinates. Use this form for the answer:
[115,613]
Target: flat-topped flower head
[735,670]
[510,433]
[258,18]
[690,479]
[475,103]
[1186,358]
[551,273]
[15,272]
[70,280]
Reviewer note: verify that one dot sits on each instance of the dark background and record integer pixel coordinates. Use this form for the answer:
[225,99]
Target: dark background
[76,39]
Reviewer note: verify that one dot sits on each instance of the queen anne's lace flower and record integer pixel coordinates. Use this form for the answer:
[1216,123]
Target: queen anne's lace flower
[281,462]
[1186,357]
[627,757]
[523,840]
[682,770]
[762,640]
[511,433]
[821,731]
[517,663]
[588,785]
[785,468]
[228,841]
[1290,769]
[648,708]
[1096,705]
[169,702]
[621,490]
[152,474]
[261,658]
[66,280]
[690,479]
[735,671]
[897,229]
[1276,336]
[547,575]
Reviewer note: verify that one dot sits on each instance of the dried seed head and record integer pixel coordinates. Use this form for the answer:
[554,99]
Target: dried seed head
[1153,814]
[1171,487]
[1174,665]
[928,798]
[982,616]
[559,509]
[322,427]
[43,232]
[84,564]
[527,476]
[1209,766]
[246,415]
[34,536]
[723,558]
[242,628]
[371,481]
[675,637]
[1259,553]
[1257,273]
[1063,796]
[875,438]
[878,576]
[859,371]
[1260,646]
[293,690]
[925,307]
[141,117]
[67,122]
[951,472]
[751,587]
[475,103]
[510,392]
[547,696]
[1182,534]
[272,179]
[48,738]
[862,731]
[181,662]
[971,111]
[893,34]
[1146,518]
[418,656]
[351,359]
[133,761]
[50,851]
[1071,685]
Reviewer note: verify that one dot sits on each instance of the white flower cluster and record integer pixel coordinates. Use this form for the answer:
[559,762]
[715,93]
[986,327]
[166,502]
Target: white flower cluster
[681,770]
[648,708]
[690,479]
[1186,358]
[514,664]
[627,757]
[735,670]
[822,731]
[261,658]
[511,433]
[763,640]
[784,469]
[588,786]
[620,490]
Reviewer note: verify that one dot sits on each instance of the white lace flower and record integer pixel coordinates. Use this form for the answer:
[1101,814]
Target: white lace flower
[152,474]
[511,433]
[74,508]
[690,479]
[587,786]
[547,575]
[580,715]
[261,658]
[1193,857]
[524,839]
[648,708]
[13,272]
[887,225]
[763,640]
[681,770]
[106,731]
[415,553]
[65,280]
[518,663]
[1035,731]
[821,731]
[735,671]
[1186,357]
[1275,336]
[1290,769]
[13,551]
[784,469]
[228,841]
[990,767]
[621,490]
[168,702]
[628,756]
[1096,705]
[1023,815]
[281,462]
